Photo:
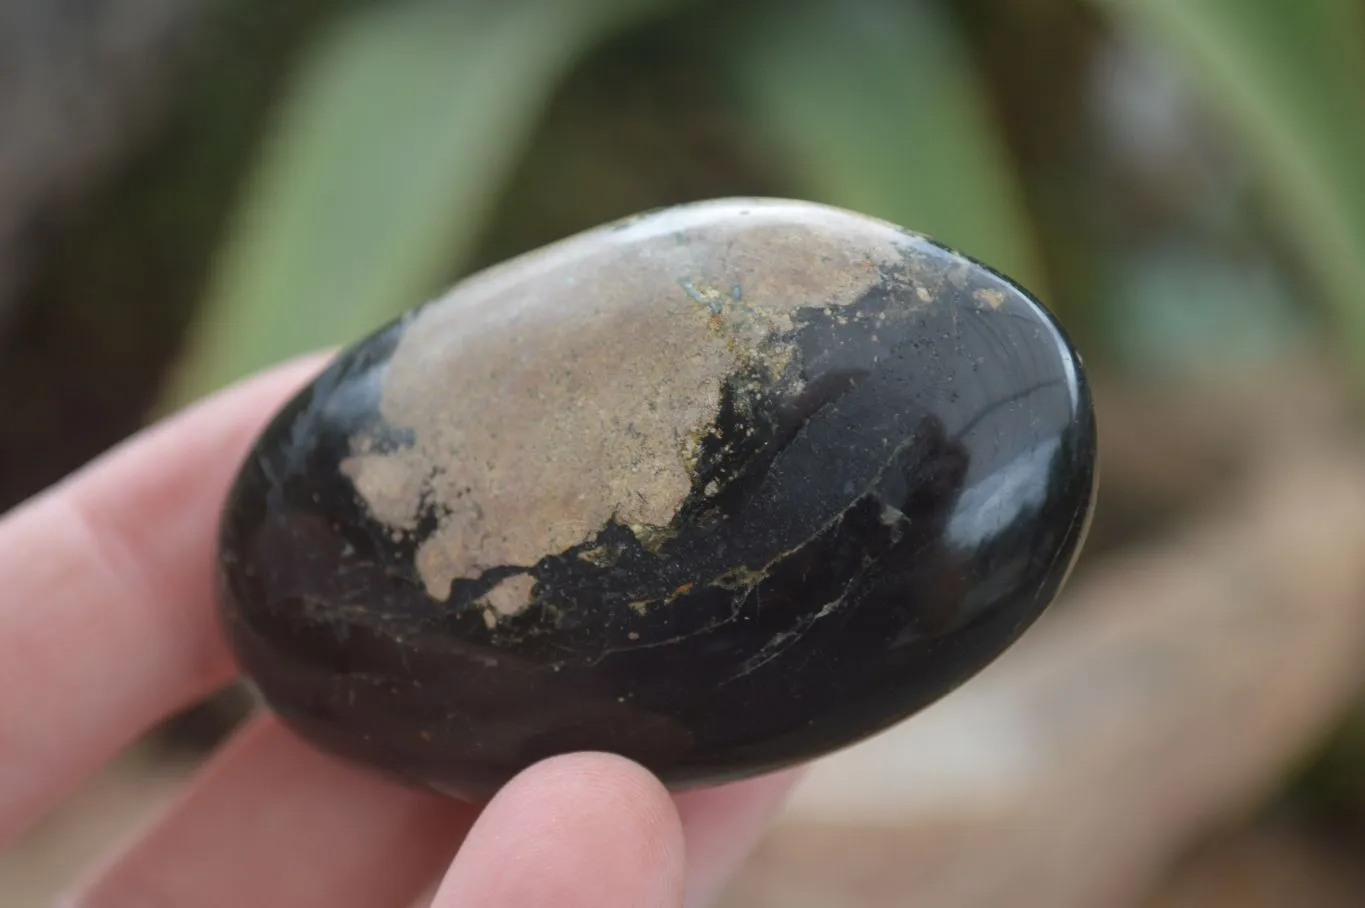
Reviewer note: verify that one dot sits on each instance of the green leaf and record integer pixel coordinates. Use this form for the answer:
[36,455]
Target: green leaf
[1286,78]
[392,145]
[873,105]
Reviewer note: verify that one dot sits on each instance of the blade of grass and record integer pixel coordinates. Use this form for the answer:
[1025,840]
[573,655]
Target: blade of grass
[873,105]
[1286,78]
[395,139]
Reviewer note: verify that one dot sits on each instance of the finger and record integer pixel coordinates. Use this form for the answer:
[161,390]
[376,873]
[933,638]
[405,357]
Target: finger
[589,830]
[106,619]
[723,825]
[272,822]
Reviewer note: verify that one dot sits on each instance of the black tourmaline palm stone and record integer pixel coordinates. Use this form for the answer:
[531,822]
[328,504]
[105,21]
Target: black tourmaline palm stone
[720,488]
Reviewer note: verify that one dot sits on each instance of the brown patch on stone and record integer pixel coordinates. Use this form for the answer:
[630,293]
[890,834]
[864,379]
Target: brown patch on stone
[573,385]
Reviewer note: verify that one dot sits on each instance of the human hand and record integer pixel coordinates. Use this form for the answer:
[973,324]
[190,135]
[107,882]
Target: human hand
[107,625]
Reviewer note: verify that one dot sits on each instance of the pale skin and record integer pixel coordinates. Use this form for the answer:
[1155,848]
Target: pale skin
[107,625]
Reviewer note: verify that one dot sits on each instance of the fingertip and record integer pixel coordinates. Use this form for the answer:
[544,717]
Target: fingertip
[108,592]
[627,800]
[271,821]
[585,829]
[724,824]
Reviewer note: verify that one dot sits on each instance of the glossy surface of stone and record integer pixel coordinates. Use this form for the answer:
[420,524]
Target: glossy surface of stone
[720,488]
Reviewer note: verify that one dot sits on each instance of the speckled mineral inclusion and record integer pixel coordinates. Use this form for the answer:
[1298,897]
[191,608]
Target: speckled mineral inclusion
[599,375]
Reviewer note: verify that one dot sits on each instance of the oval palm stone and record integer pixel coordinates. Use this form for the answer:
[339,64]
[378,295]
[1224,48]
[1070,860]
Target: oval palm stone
[720,488]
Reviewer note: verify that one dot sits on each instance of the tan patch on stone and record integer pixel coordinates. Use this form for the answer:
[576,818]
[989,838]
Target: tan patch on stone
[993,298]
[387,485]
[575,384]
[511,595]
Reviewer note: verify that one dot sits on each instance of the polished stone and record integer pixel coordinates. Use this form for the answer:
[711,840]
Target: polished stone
[721,488]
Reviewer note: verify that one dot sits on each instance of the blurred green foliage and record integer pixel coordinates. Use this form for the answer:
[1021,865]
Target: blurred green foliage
[1287,78]
[403,122]
[876,106]
[409,129]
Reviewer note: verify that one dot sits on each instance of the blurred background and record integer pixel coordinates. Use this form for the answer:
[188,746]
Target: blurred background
[193,189]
